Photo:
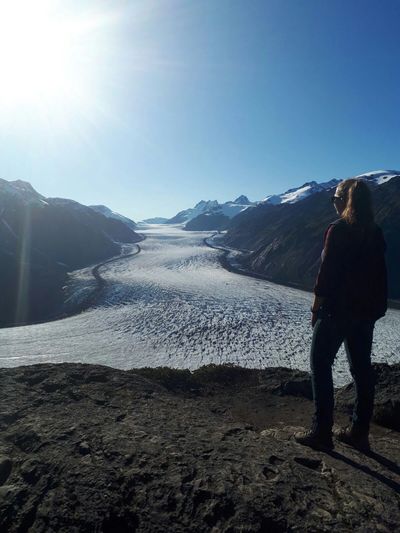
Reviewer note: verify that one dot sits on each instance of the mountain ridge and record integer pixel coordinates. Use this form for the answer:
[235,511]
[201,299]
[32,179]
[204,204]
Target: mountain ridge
[287,239]
[214,215]
[206,207]
[42,239]
[106,211]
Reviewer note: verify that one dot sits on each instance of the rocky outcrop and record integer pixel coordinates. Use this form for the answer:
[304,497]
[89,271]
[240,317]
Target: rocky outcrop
[387,396]
[91,448]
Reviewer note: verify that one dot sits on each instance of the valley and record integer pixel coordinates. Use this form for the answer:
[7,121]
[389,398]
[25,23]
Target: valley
[174,305]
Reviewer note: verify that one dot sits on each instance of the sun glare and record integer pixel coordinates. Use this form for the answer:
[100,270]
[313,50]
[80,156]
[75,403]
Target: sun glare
[47,55]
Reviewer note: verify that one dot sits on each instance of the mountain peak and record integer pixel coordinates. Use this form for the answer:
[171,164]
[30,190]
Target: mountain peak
[296,194]
[241,200]
[309,183]
[100,206]
[109,213]
[23,191]
[24,186]
[206,203]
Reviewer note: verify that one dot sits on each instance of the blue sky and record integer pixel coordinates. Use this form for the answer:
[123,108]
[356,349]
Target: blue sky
[177,101]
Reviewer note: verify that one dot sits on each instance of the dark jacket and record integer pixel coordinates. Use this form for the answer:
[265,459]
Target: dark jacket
[352,275]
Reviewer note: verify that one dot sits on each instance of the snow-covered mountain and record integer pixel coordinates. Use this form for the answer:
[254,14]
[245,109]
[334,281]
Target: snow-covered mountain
[231,209]
[286,238]
[200,208]
[212,215]
[106,211]
[307,189]
[228,209]
[299,193]
[291,196]
[379,176]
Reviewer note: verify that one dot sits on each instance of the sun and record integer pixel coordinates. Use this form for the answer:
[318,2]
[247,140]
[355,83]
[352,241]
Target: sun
[47,55]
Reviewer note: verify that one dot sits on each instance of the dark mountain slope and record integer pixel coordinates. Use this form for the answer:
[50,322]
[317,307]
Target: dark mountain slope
[208,222]
[287,239]
[106,211]
[40,241]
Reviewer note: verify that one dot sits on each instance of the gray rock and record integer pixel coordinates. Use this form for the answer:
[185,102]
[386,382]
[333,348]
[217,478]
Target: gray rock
[387,396]
[84,448]
[220,460]
[5,469]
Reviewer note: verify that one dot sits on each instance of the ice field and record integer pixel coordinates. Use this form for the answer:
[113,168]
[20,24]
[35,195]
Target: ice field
[173,304]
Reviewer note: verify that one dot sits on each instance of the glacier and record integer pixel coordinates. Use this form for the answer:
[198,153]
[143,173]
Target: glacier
[173,304]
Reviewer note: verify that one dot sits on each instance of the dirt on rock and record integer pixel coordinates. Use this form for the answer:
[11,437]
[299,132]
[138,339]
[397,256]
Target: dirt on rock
[88,448]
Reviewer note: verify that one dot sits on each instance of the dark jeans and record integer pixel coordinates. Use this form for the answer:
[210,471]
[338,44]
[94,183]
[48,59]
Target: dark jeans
[329,333]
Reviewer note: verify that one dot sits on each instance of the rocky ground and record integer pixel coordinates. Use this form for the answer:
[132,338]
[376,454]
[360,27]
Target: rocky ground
[88,448]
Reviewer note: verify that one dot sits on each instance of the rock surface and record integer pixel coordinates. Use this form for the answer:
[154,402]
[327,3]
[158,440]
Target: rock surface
[387,396]
[92,448]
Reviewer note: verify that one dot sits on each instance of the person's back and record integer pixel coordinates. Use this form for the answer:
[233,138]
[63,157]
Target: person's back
[355,276]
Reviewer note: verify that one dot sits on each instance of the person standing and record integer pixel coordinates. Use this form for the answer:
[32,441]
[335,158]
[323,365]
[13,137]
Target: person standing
[350,295]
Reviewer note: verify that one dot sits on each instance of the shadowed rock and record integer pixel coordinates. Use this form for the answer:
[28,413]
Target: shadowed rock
[92,448]
[387,396]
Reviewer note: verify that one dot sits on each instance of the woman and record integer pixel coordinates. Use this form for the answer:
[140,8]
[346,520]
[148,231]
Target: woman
[350,295]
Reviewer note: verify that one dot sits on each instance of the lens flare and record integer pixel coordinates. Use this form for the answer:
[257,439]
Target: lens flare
[49,56]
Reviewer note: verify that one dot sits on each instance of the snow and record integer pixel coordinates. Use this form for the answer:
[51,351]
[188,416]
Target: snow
[299,193]
[379,176]
[200,208]
[231,209]
[173,304]
[273,199]
[294,195]
[212,207]
[289,197]
[383,179]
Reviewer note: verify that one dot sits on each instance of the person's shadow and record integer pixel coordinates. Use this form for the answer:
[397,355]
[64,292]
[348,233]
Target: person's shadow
[384,461]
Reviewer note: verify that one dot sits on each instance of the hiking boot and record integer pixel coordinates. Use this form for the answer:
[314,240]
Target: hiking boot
[355,437]
[315,439]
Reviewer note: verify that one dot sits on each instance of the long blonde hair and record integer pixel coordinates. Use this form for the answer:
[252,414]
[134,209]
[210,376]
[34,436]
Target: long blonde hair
[358,202]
